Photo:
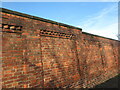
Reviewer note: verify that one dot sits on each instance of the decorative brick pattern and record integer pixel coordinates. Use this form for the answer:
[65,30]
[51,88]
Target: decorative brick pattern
[56,34]
[39,53]
[11,28]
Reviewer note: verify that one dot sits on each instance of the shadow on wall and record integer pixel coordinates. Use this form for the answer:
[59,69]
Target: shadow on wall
[51,84]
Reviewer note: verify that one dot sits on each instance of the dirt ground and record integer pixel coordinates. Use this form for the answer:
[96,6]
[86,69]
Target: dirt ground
[111,83]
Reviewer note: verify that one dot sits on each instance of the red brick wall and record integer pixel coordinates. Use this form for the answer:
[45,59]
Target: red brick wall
[47,55]
[21,54]
[101,57]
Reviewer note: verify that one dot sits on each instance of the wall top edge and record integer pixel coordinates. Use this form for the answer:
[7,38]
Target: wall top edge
[49,21]
[36,18]
[99,36]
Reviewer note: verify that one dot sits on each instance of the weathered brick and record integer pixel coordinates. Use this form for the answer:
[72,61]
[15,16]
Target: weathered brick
[31,59]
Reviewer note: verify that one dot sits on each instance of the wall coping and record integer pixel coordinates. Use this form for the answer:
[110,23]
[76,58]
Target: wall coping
[37,18]
[99,36]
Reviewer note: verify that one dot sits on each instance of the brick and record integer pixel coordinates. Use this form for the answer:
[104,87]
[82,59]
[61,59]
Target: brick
[33,60]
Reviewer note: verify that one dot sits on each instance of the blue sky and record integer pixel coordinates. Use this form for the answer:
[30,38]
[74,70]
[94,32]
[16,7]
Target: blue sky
[100,18]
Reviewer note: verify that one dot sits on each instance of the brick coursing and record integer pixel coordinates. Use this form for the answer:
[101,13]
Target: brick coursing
[41,54]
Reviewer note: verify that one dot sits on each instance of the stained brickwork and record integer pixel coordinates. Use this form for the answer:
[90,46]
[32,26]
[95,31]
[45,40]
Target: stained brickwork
[39,53]
[101,57]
